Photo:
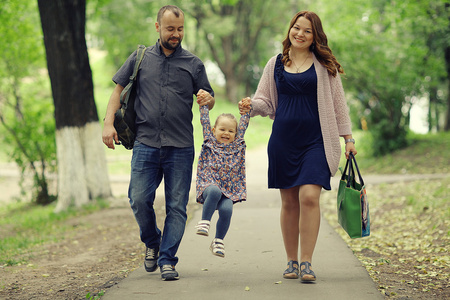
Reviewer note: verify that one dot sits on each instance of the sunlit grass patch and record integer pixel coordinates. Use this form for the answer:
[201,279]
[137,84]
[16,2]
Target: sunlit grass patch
[25,225]
[426,154]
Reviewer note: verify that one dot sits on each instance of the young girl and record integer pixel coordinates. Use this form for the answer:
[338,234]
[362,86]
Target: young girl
[221,172]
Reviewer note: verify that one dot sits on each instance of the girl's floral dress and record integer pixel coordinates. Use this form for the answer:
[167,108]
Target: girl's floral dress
[220,164]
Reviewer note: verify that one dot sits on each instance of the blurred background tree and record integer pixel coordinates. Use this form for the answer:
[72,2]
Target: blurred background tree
[28,126]
[393,53]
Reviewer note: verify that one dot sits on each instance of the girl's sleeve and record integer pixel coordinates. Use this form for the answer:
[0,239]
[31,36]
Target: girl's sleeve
[243,124]
[204,119]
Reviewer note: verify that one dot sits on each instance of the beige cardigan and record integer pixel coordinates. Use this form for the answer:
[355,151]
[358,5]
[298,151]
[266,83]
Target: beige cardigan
[333,111]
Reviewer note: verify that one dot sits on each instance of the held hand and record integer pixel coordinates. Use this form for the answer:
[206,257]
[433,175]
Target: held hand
[110,136]
[245,105]
[350,147]
[203,98]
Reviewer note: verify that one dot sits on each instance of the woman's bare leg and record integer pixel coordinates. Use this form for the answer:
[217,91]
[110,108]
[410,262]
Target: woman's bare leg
[289,219]
[309,220]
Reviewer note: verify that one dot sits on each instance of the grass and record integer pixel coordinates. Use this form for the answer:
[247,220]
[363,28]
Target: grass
[25,225]
[425,154]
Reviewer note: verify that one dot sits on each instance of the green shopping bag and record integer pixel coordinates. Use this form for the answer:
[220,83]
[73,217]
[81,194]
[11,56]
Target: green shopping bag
[352,204]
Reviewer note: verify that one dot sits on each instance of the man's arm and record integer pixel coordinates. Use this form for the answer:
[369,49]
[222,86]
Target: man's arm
[109,132]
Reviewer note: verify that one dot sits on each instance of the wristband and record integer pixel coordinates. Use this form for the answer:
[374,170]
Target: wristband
[350,141]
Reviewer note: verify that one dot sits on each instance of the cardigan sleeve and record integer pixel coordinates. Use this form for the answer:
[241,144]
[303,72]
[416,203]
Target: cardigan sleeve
[341,109]
[265,100]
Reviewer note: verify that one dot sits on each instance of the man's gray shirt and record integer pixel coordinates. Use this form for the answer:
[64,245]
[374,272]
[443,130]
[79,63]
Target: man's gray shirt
[164,95]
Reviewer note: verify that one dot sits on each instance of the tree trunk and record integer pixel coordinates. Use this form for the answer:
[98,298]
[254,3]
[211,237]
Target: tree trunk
[233,48]
[82,170]
[433,117]
[447,114]
[232,88]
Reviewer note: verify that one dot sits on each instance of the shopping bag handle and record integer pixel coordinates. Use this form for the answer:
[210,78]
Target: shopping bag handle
[353,161]
[351,171]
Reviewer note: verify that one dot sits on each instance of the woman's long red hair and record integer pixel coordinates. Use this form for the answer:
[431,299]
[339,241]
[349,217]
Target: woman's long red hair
[319,46]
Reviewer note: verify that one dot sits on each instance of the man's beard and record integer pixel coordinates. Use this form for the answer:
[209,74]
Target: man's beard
[166,44]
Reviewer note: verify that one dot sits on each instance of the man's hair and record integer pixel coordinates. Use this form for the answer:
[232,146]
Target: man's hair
[174,9]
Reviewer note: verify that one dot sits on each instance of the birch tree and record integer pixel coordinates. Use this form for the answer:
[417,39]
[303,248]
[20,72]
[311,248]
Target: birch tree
[82,170]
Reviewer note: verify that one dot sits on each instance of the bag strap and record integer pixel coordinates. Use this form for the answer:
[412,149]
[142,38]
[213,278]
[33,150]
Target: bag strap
[345,169]
[351,176]
[351,173]
[361,181]
[125,95]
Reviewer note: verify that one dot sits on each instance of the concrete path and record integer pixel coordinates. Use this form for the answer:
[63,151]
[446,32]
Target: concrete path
[255,258]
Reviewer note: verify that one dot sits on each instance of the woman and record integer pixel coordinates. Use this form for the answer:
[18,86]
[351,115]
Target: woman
[301,90]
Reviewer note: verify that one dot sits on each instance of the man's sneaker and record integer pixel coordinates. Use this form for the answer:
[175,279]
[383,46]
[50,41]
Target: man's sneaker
[168,272]
[151,258]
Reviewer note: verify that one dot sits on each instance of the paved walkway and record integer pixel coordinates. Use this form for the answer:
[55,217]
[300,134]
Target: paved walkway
[255,258]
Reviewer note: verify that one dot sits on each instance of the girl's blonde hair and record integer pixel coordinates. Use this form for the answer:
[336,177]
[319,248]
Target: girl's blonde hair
[226,115]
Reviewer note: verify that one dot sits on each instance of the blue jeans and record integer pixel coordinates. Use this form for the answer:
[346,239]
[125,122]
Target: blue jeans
[214,199]
[148,167]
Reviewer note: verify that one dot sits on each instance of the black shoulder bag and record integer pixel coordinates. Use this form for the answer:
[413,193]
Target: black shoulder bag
[125,116]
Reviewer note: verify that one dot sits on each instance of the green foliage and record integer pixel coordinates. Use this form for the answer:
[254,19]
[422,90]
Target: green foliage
[388,137]
[392,52]
[119,26]
[424,154]
[95,296]
[24,226]
[233,32]
[30,142]
[26,111]
[22,40]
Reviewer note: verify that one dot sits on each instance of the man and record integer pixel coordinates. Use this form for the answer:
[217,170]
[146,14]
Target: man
[168,78]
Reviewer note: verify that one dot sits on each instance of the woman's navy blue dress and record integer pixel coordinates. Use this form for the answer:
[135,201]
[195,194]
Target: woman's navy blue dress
[296,152]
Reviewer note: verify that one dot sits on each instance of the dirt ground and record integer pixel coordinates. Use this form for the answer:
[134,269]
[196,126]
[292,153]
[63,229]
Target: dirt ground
[104,248]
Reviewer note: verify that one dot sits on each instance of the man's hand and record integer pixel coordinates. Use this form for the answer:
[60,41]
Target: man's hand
[110,136]
[204,98]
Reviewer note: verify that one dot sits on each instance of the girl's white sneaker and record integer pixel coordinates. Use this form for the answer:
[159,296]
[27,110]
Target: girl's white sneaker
[203,227]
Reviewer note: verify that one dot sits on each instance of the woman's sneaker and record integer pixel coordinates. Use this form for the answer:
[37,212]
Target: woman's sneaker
[203,227]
